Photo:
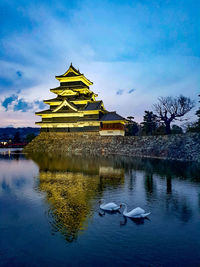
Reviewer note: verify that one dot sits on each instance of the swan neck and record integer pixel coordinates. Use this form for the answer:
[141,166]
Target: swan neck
[125,209]
[102,201]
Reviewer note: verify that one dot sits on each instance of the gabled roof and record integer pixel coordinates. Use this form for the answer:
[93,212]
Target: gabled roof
[65,103]
[112,116]
[71,72]
[73,75]
[93,105]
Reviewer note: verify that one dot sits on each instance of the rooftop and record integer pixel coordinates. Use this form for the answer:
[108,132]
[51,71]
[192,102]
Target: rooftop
[93,105]
[112,116]
[71,72]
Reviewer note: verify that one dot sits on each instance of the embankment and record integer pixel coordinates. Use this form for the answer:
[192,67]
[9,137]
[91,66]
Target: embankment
[184,147]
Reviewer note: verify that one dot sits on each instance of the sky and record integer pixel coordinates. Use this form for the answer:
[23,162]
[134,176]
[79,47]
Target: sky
[133,51]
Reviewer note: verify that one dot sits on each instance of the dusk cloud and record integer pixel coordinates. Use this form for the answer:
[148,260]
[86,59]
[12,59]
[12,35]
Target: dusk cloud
[22,105]
[40,104]
[8,100]
[15,103]
[119,92]
[131,91]
[19,73]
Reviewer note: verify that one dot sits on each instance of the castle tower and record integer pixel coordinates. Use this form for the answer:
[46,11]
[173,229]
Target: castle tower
[75,108]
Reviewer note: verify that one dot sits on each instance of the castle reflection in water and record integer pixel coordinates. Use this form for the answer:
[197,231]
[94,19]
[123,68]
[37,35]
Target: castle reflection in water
[74,184]
[49,211]
[71,185]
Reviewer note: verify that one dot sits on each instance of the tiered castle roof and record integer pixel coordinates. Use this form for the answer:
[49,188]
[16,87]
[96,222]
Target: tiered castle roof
[75,107]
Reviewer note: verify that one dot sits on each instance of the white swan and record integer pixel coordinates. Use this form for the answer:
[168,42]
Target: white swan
[108,206]
[136,213]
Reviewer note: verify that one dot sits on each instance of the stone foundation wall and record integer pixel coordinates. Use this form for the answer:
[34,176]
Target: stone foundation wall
[185,147]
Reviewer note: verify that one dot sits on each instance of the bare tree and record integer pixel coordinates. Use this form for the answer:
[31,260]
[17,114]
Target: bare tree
[172,108]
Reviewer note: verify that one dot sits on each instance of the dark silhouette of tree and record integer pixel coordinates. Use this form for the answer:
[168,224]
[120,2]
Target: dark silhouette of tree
[176,129]
[17,138]
[30,137]
[160,130]
[195,126]
[198,115]
[130,118]
[149,123]
[170,108]
[132,128]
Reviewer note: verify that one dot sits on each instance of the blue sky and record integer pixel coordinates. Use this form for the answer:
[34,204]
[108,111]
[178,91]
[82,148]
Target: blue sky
[133,51]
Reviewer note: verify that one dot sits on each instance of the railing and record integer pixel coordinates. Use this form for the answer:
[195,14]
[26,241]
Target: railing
[11,145]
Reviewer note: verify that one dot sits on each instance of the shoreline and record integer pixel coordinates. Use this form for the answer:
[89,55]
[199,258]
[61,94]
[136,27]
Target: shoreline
[181,147]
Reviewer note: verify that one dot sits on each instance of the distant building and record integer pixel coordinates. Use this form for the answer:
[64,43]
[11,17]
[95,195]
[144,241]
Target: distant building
[3,143]
[75,108]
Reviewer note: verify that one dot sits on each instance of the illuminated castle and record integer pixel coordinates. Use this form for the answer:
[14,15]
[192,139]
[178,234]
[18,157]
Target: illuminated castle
[75,108]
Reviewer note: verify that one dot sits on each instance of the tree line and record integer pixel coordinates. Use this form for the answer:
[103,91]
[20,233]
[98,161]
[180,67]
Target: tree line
[165,112]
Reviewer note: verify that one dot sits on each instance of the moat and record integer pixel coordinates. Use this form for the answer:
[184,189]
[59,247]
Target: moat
[49,211]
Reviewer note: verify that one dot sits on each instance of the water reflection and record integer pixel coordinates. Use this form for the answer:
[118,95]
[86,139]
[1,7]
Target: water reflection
[149,186]
[138,221]
[45,195]
[169,184]
[69,196]
[73,186]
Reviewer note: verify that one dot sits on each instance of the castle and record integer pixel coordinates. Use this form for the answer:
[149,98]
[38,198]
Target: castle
[75,108]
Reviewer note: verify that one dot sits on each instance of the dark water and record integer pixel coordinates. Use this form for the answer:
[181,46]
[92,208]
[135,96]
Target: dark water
[49,212]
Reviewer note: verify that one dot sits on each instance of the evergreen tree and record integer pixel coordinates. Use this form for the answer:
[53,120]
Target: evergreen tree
[30,137]
[176,129]
[160,130]
[132,128]
[149,123]
[195,126]
[198,115]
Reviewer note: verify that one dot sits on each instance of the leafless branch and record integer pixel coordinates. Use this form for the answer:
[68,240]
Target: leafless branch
[168,108]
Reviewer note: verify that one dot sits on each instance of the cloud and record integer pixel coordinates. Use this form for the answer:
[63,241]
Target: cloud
[131,91]
[8,100]
[16,103]
[40,104]
[19,73]
[120,92]
[22,105]
[15,77]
